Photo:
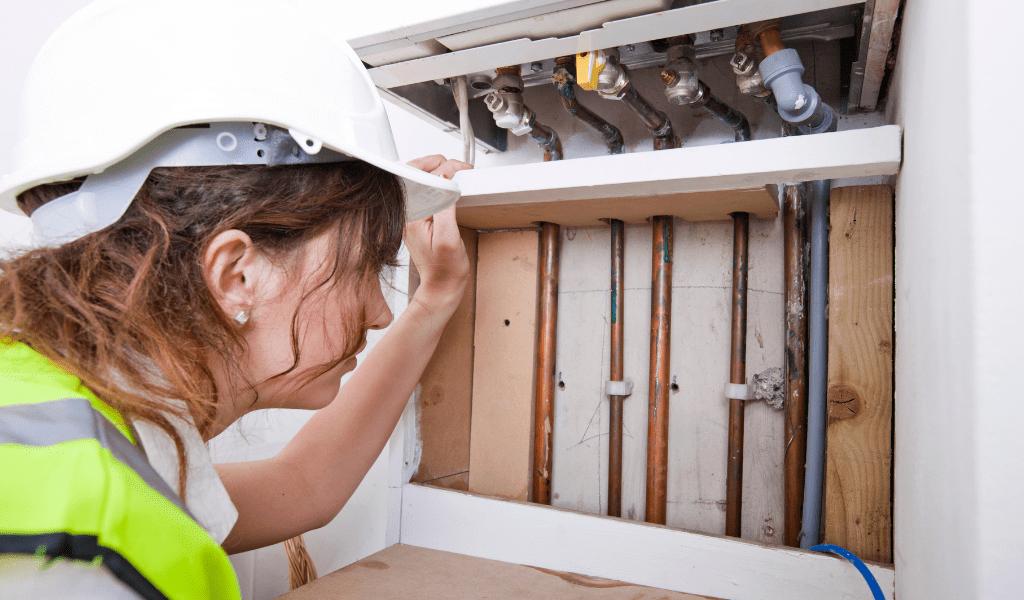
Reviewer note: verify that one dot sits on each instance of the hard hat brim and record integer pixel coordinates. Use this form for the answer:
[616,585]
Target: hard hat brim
[426,194]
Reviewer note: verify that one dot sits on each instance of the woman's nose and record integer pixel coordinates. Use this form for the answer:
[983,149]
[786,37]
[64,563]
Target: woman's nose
[380,312]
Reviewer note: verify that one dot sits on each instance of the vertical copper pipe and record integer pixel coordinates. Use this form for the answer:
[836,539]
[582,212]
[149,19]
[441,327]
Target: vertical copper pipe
[795,239]
[615,409]
[657,407]
[737,373]
[545,400]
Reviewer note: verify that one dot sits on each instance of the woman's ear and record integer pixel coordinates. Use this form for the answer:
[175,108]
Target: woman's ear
[230,267]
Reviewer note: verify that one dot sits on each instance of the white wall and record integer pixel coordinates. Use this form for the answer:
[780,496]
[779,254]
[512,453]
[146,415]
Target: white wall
[959,478]
[993,157]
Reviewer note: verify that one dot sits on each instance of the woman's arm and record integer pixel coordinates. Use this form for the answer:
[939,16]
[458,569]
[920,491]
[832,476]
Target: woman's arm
[305,486]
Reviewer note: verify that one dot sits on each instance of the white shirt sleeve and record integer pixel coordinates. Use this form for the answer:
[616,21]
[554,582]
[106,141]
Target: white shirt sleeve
[24,577]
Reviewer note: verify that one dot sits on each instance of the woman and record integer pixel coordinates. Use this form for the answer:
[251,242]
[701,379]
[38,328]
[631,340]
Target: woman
[221,255]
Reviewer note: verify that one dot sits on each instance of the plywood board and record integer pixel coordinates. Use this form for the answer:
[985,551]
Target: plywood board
[858,508]
[504,364]
[642,554]
[420,574]
[700,365]
[694,206]
[444,402]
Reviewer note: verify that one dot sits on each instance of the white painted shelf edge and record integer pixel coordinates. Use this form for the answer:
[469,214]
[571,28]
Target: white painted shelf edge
[855,153]
[639,553]
[691,19]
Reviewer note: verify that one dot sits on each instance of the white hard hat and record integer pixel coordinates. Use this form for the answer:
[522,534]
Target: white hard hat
[110,85]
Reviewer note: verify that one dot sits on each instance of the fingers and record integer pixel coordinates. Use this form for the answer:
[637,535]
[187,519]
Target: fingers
[427,163]
[436,164]
[450,167]
[445,221]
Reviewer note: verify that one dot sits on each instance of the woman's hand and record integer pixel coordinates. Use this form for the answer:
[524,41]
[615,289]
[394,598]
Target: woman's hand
[436,247]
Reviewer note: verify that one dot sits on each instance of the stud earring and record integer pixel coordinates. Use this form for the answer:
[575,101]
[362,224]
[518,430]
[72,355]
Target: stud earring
[242,317]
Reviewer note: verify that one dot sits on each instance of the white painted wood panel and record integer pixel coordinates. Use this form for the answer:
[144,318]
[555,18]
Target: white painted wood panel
[854,153]
[691,19]
[650,555]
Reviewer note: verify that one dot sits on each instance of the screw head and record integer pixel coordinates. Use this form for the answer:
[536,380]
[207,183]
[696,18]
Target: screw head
[536,67]
[717,35]
[630,48]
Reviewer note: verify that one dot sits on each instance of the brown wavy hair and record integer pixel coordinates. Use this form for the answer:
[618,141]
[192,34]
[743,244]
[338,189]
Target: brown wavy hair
[127,309]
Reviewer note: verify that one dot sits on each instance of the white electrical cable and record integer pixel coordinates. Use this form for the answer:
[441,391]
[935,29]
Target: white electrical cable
[461,95]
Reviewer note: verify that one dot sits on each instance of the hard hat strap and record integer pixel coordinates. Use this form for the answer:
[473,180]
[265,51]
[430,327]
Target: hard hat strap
[104,197]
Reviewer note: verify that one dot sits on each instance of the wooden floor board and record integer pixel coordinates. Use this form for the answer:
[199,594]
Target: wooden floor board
[408,572]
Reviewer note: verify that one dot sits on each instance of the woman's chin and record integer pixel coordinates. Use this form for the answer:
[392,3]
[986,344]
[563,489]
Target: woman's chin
[328,386]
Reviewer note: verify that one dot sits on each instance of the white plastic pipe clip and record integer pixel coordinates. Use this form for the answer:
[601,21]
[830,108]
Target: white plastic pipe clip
[619,388]
[739,391]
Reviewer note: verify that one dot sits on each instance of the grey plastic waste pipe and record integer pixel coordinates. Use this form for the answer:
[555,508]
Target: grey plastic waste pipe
[817,361]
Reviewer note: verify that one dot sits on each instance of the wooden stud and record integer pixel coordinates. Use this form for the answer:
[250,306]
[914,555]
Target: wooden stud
[504,364]
[858,507]
[445,396]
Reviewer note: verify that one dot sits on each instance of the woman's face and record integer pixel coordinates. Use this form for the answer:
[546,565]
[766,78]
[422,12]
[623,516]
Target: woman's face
[328,317]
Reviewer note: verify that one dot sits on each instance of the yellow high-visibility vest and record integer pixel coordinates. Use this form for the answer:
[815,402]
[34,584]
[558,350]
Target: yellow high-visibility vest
[75,486]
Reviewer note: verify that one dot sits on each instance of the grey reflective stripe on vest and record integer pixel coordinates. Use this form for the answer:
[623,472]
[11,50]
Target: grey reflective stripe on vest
[58,421]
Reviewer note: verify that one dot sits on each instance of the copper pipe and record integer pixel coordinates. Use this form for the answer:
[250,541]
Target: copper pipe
[657,406]
[737,373]
[794,242]
[771,40]
[723,112]
[618,332]
[514,70]
[545,400]
[565,82]
[655,120]
[547,139]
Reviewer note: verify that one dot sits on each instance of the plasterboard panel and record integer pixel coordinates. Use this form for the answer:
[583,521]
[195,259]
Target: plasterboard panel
[698,420]
[639,553]
[648,175]
[663,24]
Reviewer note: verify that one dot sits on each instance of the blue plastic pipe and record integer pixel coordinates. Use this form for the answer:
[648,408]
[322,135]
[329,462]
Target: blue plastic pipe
[876,590]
